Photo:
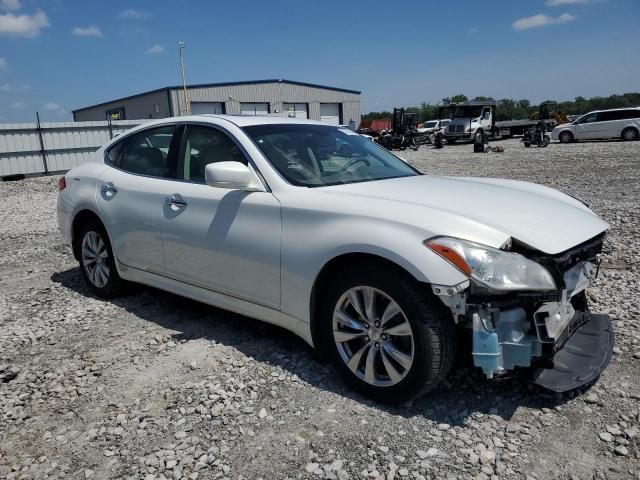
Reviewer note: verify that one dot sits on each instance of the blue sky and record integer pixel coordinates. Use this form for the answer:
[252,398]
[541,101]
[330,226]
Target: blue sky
[57,55]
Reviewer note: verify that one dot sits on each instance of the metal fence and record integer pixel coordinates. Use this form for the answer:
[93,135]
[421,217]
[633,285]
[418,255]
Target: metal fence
[32,148]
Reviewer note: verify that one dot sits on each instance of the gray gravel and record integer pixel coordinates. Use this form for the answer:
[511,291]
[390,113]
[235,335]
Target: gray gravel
[153,386]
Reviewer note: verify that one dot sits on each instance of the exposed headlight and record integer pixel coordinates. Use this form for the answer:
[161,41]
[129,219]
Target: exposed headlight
[491,267]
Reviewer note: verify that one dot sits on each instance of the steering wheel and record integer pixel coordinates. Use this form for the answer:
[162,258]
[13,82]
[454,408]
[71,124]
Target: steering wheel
[354,162]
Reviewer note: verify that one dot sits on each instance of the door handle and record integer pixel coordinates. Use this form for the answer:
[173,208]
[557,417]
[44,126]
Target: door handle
[109,187]
[175,199]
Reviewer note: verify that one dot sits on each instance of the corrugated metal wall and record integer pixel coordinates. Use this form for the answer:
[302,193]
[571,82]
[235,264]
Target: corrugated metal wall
[274,93]
[145,106]
[66,144]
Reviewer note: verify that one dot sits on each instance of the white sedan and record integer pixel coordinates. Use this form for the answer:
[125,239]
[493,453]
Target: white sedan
[318,230]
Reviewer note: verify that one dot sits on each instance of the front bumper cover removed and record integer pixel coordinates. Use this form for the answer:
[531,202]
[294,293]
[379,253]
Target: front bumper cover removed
[581,356]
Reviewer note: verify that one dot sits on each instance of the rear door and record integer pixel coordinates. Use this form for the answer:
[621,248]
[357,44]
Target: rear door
[224,240]
[129,195]
[610,124]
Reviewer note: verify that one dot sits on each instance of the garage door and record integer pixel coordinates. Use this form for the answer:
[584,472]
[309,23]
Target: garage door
[295,110]
[330,113]
[202,108]
[254,109]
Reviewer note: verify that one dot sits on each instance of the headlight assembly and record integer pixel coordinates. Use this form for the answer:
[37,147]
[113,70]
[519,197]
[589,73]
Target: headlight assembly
[493,268]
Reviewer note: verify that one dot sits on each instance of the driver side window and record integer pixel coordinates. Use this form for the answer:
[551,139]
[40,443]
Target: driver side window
[204,145]
[589,118]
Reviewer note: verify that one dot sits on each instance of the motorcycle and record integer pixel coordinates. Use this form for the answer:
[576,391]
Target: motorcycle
[536,136]
[411,138]
[437,139]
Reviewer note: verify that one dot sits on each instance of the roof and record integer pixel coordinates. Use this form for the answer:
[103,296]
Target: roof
[250,120]
[223,84]
[470,103]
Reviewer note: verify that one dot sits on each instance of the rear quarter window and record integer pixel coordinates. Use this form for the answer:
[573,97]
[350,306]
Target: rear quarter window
[114,153]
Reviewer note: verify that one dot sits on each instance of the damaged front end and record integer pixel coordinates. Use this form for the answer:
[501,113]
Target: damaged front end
[529,309]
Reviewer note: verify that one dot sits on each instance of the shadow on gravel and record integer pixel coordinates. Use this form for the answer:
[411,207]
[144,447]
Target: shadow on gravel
[464,393]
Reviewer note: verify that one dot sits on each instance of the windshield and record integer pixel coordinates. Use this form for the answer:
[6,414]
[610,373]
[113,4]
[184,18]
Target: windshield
[318,155]
[431,124]
[466,112]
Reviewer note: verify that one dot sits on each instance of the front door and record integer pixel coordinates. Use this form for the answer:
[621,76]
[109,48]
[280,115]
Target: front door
[589,127]
[129,195]
[220,239]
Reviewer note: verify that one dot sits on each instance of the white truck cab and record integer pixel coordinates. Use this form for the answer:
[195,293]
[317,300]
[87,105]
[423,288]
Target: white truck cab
[470,121]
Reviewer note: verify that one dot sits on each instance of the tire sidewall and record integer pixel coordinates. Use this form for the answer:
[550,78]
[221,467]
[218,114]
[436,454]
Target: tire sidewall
[566,137]
[421,370]
[114,279]
[630,129]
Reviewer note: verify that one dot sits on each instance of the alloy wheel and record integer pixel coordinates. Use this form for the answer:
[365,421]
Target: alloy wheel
[373,336]
[94,259]
[630,134]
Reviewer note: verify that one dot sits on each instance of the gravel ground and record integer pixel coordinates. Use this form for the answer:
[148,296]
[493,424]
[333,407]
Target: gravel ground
[154,386]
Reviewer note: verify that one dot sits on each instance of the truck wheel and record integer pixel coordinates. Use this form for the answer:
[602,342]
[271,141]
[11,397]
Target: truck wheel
[630,134]
[527,144]
[478,137]
[566,137]
[389,339]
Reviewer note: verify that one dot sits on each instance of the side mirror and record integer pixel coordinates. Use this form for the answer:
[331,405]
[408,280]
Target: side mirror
[232,175]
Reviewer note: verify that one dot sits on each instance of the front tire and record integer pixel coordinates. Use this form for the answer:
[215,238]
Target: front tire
[630,134]
[388,337]
[478,137]
[566,137]
[97,262]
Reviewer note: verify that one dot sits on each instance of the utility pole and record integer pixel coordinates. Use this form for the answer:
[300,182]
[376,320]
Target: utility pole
[187,107]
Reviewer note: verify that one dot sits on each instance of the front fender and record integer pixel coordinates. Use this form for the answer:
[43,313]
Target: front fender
[310,242]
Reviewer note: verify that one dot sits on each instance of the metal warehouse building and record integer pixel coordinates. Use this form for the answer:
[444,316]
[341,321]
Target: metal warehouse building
[261,97]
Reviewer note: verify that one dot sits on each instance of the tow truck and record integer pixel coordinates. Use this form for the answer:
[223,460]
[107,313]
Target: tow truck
[475,121]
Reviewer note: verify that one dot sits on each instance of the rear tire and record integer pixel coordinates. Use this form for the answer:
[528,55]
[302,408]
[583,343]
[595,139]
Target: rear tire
[566,137]
[420,335]
[97,262]
[630,134]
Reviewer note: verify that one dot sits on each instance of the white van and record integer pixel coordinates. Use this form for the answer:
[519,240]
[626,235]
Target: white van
[619,123]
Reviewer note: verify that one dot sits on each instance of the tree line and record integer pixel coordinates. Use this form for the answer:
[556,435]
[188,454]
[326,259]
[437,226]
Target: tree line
[510,109]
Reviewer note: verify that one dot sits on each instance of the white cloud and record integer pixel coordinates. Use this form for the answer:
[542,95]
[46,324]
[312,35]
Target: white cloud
[541,21]
[3,63]
[23,25]
[132,14]
[556,3]
[18,105]
[52,106]
[473,30]
[90,31]
[6,87]
[10,5]
[155,49]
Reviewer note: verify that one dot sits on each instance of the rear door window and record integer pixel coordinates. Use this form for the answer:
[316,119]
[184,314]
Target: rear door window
[151,152]
[632,113]
[610,116]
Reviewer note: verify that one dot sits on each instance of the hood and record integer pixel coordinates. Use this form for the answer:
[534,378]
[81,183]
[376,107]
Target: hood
[563,125]
[538,216]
